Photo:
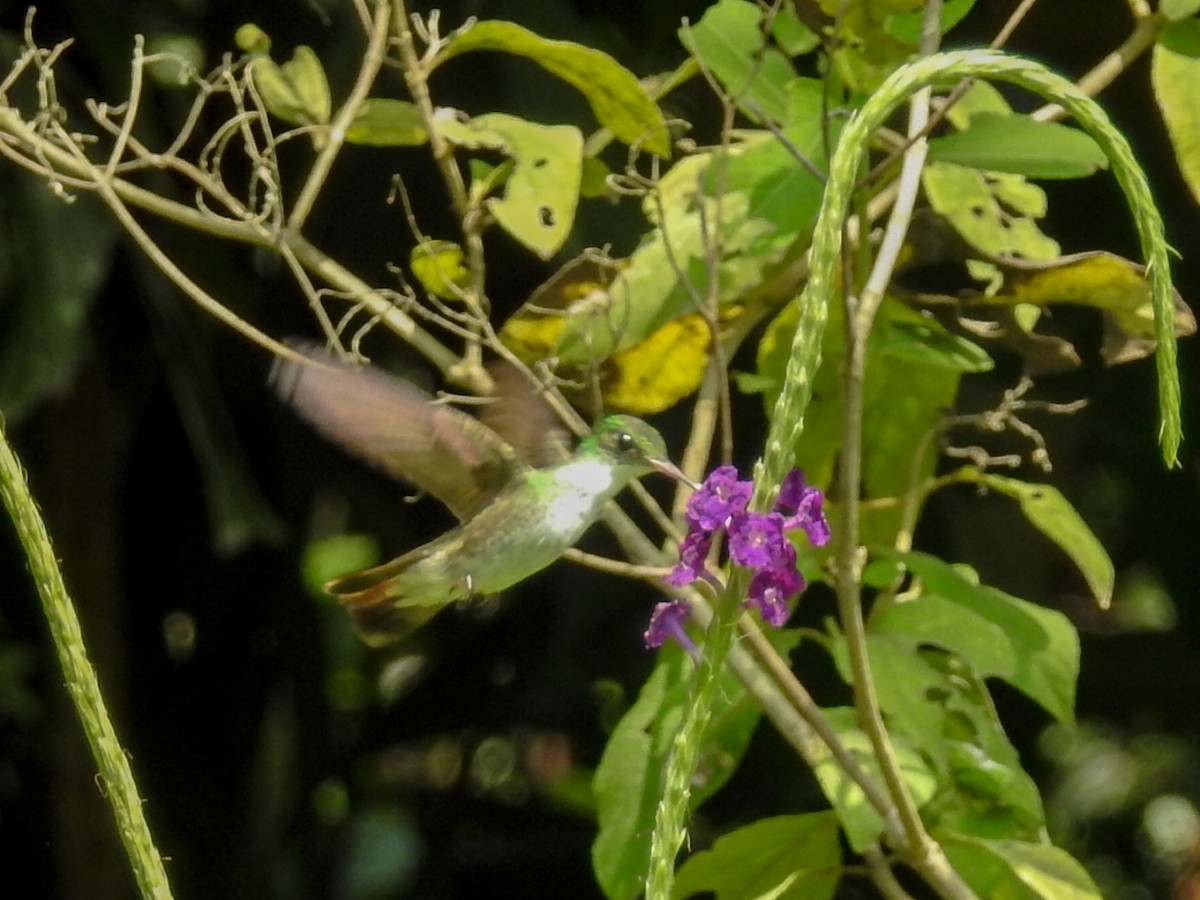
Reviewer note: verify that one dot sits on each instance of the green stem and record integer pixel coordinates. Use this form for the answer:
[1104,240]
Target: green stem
[670,819]
[788,420]
[941,69]
[116,777]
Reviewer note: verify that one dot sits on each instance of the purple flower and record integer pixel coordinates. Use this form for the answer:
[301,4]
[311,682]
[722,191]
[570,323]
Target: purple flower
[720,497]
[802,505]
[770,591]
[756,540]
[667,622]
[693,553]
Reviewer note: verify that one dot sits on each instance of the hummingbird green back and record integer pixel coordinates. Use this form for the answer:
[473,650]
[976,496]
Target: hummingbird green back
[516,519]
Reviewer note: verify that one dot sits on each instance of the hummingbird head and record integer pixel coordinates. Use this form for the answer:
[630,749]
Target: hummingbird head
[629,442]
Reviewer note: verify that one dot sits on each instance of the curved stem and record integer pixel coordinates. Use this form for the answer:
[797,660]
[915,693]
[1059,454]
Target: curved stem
[788,420]
[115,775]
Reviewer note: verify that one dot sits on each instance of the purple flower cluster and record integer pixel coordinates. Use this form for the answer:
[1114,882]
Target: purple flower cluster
[757,541]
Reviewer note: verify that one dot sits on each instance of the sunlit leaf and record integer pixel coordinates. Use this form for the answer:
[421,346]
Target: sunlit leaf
[661,370]
[782,193]
[1175,71]
[1054,516]
[1178,9]
[581,285]
[768,203]
[595,178]
[786,858]
[943,707]
[297,91]
[1034,649]
[906,26]
[381,122]
[1104,281]
[542,191]
[629,779]
[859,818]
[647,293]
[439,266]
[645,378]
[793,36]
[1005,296]
[865,51]
[728,40]
[980,98]
[913,371]
[619,102]
[1022,146]
[1017,870]
[993,212]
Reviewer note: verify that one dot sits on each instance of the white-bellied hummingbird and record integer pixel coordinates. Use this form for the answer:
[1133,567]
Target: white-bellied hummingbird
[516,518]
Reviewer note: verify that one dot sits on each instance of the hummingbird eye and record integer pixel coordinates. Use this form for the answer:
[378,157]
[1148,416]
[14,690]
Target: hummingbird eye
[625,442]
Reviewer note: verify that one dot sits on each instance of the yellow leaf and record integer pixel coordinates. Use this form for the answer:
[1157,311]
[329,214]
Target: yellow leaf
[658,372]
[438,265]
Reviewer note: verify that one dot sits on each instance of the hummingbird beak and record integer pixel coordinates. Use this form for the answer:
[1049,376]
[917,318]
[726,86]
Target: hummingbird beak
[668,468]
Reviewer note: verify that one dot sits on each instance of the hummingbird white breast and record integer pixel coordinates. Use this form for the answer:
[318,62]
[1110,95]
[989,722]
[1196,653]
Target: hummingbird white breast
[582,485]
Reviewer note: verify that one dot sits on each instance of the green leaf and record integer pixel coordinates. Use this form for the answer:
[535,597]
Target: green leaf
[913,372]
[648,292]
[906,27]
[1053,515]
[981,97]
[859,819]
[793,36]
[629,779]
[619,102]
[941,705]
[1034,649]
[1175,72]
[1022,146]
[783,196]
[769,204]
[542,191]
[785,858]
[56,258]
[1178,9]
[1016,870]
[381,122]
[994,212]
[297,91]
[439,266]
[728,40]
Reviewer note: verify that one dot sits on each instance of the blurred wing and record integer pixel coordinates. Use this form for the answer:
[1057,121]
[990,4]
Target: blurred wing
[520,415]
[398,428]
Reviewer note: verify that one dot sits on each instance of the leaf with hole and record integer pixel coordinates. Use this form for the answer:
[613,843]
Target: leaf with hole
[618,100]
[541,192]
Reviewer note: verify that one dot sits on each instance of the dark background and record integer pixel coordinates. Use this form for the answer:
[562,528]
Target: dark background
[240,697]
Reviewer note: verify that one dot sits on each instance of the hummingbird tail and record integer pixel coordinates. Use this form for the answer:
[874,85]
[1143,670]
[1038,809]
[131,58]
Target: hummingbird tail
[377,609]
[379,621]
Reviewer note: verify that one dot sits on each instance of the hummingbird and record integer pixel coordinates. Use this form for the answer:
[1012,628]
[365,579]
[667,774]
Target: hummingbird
[517,512]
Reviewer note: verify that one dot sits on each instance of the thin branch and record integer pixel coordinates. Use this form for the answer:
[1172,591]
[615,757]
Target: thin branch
[335,136]
[860,316]
[1105,72]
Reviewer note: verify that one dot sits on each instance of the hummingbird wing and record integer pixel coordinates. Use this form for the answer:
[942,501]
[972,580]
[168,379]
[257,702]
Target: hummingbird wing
[397,427]
[521,415]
